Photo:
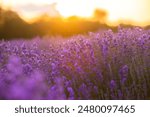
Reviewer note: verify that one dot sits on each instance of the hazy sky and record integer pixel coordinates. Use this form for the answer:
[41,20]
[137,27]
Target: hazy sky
[134,10]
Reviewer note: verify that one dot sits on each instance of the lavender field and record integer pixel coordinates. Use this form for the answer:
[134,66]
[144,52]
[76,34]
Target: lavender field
[102,65]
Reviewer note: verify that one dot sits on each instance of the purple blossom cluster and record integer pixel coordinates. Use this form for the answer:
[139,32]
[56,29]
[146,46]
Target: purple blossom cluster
[101,65]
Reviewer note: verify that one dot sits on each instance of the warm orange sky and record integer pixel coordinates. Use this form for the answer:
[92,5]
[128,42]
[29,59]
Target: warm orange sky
[128,10]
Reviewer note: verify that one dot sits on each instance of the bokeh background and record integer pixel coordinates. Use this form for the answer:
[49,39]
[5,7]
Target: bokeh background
[30,18]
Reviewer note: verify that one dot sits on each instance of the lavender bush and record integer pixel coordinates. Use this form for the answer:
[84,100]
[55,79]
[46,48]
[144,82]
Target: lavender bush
[102,65]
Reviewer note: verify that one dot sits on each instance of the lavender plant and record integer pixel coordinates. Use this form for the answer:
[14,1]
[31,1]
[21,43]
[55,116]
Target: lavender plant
[101,65]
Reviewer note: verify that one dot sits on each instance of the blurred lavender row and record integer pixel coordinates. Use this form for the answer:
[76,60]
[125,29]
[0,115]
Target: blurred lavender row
[102,65]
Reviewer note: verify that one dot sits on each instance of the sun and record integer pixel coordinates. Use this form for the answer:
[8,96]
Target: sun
[75,8]
[118,10]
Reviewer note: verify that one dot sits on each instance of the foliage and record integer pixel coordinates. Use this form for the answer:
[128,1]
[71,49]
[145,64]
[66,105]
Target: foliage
[102,65]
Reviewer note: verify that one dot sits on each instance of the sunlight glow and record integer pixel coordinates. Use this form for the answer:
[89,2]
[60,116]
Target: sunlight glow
[128,10]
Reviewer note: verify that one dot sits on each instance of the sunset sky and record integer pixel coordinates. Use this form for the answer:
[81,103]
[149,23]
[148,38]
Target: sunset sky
[127,10]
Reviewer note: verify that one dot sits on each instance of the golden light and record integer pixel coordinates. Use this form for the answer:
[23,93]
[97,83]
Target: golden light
[127,10]
[77,7]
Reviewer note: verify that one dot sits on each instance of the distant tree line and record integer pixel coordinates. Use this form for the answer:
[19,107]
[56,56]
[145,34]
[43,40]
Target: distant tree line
[13,26]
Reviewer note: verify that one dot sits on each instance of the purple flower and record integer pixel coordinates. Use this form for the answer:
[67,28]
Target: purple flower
[112,84]
[79,67]
[123,72]
[14,65]
[71,93]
